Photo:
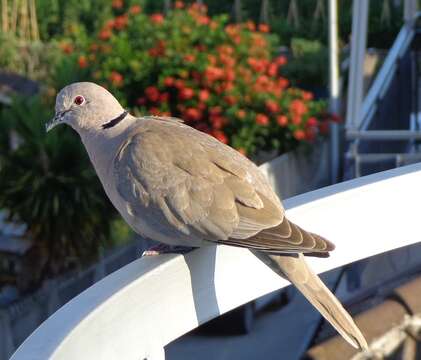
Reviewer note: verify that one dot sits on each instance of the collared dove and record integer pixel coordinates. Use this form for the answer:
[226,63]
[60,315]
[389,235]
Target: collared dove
[179,186]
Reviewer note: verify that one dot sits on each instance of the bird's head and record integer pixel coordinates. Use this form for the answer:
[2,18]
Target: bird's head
[86,106]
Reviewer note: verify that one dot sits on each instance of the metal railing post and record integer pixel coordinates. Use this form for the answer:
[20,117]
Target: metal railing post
[334,89]
[409,10]
[356,71]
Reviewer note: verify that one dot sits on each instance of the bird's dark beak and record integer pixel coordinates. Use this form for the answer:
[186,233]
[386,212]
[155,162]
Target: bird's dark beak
[56,120]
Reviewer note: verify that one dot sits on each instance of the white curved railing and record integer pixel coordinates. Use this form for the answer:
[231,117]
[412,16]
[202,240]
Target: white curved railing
[134,312]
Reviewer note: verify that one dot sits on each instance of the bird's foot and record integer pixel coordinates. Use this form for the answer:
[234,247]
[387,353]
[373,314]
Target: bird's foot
[166,249]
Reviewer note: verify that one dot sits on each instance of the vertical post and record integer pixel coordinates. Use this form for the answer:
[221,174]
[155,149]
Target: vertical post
[237,11]
[100,272]
[50,291]
[409,10]
[7,346]
[5,15]
[356,71]
[34,20]
[167,6]
[264,12]
[334,90]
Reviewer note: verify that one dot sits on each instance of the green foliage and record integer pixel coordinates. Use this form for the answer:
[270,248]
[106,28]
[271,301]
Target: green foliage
[48,183]
[308,63]
[70,18]
[34,60]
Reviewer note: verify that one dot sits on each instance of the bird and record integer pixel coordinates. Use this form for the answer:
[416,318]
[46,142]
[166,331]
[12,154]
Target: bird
[182,187]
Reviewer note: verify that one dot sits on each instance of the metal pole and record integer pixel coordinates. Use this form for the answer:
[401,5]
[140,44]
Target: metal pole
[237,11]
[409,10]
[334,89]
[356,71]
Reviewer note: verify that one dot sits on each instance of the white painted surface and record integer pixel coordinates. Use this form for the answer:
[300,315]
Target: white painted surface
[134,312]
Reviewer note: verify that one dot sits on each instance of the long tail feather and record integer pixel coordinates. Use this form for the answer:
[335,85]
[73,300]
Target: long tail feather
[296,270]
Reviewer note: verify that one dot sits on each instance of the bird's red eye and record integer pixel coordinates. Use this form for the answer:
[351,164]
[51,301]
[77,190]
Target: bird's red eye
[79,100]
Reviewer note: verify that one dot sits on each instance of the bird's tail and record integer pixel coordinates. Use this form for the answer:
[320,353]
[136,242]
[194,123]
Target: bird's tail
[296,270]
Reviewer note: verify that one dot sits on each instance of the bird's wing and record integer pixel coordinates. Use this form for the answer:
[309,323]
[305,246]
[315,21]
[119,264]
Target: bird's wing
[179,178]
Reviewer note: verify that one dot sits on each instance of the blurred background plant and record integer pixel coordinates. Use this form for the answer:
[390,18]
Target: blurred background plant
[47,183]
[223,79]
[221,70]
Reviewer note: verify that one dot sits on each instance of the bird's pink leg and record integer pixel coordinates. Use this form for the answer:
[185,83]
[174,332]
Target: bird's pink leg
[160,249]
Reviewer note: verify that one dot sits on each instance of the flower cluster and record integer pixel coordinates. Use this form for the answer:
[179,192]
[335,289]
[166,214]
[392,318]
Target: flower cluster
[224,79]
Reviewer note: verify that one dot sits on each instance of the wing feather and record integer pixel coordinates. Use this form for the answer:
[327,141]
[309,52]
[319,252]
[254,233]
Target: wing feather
[182,180]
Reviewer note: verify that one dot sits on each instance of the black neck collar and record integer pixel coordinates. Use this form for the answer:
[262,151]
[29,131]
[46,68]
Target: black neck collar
[115,121]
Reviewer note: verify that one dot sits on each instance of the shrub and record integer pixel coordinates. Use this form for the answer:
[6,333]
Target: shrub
[48,184]
[221,78]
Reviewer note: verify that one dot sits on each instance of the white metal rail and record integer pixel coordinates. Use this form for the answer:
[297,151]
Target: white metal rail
[136,311]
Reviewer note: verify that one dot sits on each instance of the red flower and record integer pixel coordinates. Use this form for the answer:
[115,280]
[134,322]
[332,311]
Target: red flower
[257,65]
[281,60]
[164,97]
[307,95]
[310,134]
[296,119]
[82,62]
[141,101]
[299,134]
[135,9]
[312,121]
[202,19]
[272,70]
[169,81]
[272,106]
[230,99]
[204,95]
[121,22]
[230,75]
[216,110]
[298,107]
[250,25]
[67,48]
[213,73]
[242,151]
[157,18]
[117,4]
[158,50]
[220,135]
[241,114]
[193,114]
[218,121]
[179,84]
[282,120]
[186,94]
[262,119]
[116,78]
[189,58]
[264,28]
[152,93]
[154,111]
[283,83]
[109,24]
[105,34]
[324,127]
[179,5]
